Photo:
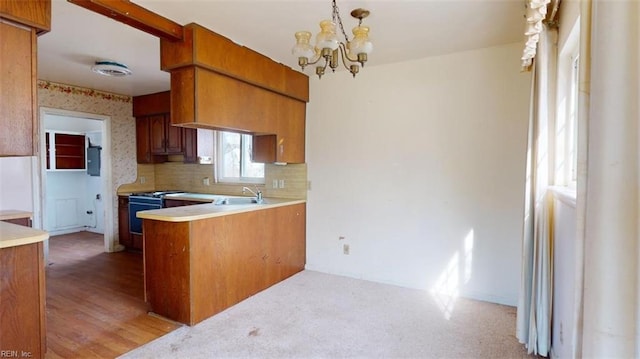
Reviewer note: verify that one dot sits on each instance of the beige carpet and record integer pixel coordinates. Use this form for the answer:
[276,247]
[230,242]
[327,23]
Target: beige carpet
[315,315]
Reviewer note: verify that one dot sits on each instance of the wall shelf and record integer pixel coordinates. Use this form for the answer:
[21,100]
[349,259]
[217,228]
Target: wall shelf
[65,151]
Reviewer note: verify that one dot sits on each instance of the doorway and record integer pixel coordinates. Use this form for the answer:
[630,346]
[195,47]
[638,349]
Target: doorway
[69,198]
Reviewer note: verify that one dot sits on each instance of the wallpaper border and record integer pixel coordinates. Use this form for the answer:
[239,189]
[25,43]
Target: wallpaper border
[75,90]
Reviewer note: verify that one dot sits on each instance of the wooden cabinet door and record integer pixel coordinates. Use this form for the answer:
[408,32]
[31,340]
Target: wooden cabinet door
[143,143]
[173,140]
[17,101]
[289,244]
[123,221]
[291,131]
[157,135]
[288,144]
[190,145]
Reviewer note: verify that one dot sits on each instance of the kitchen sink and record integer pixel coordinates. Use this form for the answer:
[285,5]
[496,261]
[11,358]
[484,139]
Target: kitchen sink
[237,200]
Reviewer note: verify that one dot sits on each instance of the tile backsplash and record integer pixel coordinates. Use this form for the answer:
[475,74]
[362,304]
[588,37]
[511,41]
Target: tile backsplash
[190,177]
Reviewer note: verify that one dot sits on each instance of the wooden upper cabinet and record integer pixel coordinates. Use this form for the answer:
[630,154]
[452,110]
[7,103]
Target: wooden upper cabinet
[152,104]
[165,138]
[291,131]
[21,21]
[206,49]
[155,134]
[143,141]
[288,142]
[18,61]
[204,98]
[32,13]
[173,137]
[190,145]
[218,84]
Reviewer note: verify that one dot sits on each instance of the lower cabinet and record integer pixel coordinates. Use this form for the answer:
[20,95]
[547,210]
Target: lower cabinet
[22,293]
[19,221]
[196,269]
[124,237]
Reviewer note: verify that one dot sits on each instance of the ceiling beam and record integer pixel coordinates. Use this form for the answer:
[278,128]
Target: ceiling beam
[136,16]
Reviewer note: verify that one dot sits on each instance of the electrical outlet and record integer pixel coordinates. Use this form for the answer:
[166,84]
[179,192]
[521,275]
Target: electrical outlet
[143,180]
[345,249]
[275,183]
[205,181]
[98,196]
[281,183]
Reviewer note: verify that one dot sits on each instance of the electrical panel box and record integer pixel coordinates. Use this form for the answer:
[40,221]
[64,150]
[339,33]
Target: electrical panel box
[93,160]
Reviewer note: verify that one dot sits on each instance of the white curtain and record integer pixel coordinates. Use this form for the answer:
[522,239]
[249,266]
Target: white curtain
[608,203]
[535,301]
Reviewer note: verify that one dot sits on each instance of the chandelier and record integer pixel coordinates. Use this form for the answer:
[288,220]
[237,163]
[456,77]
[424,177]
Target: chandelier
[328,47]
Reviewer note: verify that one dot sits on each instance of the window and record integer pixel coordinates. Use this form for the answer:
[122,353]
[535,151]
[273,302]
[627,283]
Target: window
[234,159]
[566,127]
[572,133]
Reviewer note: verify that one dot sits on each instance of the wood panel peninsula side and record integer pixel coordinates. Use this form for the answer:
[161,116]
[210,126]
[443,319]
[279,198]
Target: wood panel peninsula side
[22,290]
[200,260]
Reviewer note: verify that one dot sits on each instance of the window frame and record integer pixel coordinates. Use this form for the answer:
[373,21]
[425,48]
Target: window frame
[244,159]
[565,145]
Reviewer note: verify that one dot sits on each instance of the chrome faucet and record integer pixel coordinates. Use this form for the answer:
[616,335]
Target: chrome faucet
[257,193]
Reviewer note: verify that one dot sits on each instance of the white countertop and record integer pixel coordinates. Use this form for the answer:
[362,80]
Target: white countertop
[13,235]
[210,210]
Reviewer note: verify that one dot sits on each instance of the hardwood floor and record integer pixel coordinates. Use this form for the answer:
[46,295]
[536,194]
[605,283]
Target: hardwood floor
[95,300]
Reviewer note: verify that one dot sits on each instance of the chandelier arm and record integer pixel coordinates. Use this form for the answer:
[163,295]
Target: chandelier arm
[345,55]
[316,61]
[345,58]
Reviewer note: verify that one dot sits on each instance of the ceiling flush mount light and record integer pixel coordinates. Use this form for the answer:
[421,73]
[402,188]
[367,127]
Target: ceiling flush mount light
[111,68]
[328,47]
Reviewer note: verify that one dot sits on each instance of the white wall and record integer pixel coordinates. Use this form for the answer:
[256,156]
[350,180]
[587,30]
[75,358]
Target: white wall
[16,188]
[564,272]
[420,166]
[65,201]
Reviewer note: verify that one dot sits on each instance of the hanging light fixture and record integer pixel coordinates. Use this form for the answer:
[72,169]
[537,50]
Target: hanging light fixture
[329,48]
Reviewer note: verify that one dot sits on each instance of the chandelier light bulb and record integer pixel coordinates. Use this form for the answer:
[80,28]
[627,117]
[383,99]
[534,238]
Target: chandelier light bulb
[327,38]
[360,43]
[303,49]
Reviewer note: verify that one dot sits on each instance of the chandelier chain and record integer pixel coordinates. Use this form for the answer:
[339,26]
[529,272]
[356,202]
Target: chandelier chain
[336,18]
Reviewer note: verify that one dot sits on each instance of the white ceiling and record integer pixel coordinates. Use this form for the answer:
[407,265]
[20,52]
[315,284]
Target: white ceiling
[401,30]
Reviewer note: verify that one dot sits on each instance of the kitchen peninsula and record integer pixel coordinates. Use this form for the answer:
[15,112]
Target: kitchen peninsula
[202,259]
